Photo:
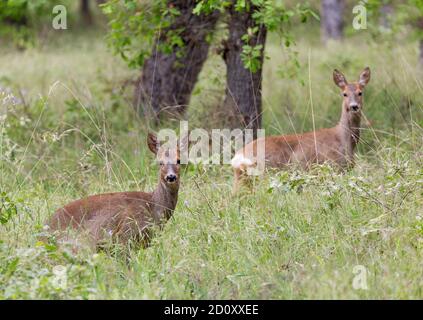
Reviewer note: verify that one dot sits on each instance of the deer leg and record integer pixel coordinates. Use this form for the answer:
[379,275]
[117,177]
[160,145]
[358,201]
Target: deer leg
[237,181]
[241,179]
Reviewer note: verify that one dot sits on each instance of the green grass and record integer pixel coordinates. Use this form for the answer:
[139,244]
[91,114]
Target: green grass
[297,235]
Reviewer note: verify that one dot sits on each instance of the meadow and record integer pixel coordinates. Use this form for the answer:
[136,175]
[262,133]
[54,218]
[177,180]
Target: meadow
[67,130]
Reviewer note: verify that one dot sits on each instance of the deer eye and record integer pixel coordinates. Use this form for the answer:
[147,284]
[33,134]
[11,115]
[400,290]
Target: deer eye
[345,95]
[161,163]
[360,93]
[178,161]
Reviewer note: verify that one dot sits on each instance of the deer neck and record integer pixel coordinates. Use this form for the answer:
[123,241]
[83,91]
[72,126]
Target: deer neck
[164,199]
[349,129]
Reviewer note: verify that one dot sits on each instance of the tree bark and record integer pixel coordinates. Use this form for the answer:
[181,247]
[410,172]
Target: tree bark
[386,12]
[86,12]
[243,87]
[332,22]
[167,80]
[419,26]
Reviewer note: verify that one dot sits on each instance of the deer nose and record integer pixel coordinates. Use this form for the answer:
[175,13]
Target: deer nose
[171,178]
[354,107]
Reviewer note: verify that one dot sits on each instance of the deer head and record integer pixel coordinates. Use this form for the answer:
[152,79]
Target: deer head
[168,159]
[352,92]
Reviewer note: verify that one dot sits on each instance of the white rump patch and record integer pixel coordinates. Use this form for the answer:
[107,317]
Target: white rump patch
[240,161]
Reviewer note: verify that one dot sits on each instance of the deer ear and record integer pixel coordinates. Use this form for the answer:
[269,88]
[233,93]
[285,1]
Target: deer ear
[364,77]
[152,142]
[339,79]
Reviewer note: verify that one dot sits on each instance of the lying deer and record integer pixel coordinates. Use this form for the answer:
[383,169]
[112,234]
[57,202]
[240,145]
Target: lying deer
[334,145]
[125,216]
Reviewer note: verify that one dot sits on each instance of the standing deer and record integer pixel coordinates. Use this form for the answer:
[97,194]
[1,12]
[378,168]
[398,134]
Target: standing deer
[124,216]
[334,145]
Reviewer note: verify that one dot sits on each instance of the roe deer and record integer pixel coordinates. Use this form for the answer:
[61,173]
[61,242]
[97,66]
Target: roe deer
[335,145]
[124,216]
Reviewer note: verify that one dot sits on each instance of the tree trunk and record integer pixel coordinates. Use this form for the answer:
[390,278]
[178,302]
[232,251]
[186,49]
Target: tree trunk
[86,12]
[332,23]
[167,80]
[386,12]
[243,87]
[419,26]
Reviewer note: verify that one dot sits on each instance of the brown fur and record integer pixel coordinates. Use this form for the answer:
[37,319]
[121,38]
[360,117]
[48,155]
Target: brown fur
[335,145]
[123,216]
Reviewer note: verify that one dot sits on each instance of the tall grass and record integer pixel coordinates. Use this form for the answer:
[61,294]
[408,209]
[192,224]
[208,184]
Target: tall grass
[71,132]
